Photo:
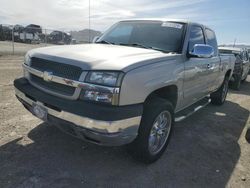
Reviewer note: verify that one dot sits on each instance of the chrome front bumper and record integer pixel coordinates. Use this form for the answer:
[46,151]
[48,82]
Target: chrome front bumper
[111,133]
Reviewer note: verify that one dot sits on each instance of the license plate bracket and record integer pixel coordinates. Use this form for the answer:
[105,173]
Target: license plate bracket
[39,111]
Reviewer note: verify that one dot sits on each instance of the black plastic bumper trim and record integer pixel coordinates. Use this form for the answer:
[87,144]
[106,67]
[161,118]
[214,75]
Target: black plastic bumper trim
[78,107]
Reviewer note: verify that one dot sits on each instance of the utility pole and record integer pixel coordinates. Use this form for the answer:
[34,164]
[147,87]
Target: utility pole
[234,41]
[89,21]
[13,45]
[45,39]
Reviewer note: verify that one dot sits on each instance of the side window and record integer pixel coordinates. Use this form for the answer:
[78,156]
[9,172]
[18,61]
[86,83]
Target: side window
[245,56]
[211,40]
[196,37]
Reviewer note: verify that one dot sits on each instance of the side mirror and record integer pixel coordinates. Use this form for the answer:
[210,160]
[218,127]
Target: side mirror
[95,39]
[202,51]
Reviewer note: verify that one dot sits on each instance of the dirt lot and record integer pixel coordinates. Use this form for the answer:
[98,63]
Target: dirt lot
[6,47]
[207,150]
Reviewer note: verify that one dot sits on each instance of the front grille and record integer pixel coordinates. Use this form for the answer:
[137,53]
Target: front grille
[58,69]
[52,86]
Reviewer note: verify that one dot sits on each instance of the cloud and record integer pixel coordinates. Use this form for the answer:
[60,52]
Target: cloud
[73,14]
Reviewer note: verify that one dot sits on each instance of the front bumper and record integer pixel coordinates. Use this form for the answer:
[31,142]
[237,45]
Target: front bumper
[100,124]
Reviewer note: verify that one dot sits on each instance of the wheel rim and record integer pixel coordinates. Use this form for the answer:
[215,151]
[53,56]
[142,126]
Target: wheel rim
[224,91]
[159,132]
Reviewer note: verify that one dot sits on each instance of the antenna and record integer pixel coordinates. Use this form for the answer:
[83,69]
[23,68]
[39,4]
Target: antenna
[89,21]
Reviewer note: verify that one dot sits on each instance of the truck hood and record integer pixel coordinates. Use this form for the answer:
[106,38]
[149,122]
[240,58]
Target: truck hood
[101,56]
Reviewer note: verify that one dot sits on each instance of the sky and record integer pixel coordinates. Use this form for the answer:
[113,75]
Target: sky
[229,18]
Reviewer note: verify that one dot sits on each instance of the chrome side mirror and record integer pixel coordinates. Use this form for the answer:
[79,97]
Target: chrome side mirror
[95,39]
[202,51]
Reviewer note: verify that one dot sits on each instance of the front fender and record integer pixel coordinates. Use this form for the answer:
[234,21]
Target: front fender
[139,83]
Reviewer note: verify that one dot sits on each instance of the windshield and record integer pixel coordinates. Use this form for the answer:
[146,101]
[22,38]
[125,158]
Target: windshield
[157,35]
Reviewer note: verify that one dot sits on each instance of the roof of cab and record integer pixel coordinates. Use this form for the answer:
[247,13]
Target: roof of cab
[166,20]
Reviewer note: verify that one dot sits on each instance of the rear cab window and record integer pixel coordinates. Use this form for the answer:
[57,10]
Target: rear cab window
[211,40]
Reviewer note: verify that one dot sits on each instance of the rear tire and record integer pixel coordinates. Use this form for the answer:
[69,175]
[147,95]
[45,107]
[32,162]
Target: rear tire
[154,131]
[219,96]
[248,135]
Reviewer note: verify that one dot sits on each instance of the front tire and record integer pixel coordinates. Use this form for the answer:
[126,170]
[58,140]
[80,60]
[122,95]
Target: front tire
[154,132]
[219,96]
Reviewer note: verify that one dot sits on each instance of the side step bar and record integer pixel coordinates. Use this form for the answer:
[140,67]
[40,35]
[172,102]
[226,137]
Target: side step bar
[179,116]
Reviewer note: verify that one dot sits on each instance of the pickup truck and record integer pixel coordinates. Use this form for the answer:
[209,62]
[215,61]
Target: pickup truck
[241,67]
[130,86]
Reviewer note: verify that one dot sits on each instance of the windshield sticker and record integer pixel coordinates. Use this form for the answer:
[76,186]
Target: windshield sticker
[170,24]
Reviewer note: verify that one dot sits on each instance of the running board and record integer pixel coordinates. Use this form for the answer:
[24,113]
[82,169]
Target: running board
[192,109]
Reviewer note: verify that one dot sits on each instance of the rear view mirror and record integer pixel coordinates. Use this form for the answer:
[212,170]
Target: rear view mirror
[202,51]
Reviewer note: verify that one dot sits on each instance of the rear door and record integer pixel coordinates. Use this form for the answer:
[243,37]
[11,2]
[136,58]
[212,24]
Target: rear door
[196,75]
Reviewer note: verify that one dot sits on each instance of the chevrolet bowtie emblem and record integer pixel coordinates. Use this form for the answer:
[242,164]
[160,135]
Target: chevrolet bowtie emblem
[47,76]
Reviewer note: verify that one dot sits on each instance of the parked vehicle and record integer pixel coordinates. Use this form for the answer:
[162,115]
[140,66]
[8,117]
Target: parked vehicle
[242,65]
[28,34]
[249,57]
[59,37]
[17,29]
[33,28]
[130,86]
[5,33]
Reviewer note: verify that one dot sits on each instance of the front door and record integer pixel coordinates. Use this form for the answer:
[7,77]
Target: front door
[196,73]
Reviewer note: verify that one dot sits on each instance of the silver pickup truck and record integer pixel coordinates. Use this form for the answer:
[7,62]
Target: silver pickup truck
[130,86]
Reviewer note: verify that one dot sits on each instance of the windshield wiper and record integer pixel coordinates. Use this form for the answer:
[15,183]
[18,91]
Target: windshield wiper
[134,44]
[104,42]
[144,46]
[159,49]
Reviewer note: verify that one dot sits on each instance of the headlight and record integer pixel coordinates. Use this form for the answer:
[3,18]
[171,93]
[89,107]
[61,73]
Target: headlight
[27,59]
[106,78]
[105,88]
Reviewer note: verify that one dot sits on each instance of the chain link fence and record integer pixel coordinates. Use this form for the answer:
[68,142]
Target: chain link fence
[17,39]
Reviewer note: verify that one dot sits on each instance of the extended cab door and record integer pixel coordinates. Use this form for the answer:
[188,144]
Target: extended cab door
[214,63]
[196,74]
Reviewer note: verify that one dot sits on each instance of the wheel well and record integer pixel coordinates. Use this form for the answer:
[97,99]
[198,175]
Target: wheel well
[169,92]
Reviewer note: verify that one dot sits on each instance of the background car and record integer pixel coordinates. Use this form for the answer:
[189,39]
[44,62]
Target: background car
[241,67]
[59,37]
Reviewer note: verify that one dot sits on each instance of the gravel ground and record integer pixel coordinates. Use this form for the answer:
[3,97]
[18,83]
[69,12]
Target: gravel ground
[207,150]
[6,47]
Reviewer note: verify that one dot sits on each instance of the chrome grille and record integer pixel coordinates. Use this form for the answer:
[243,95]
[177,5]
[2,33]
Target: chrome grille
[59,69]
[52,86]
